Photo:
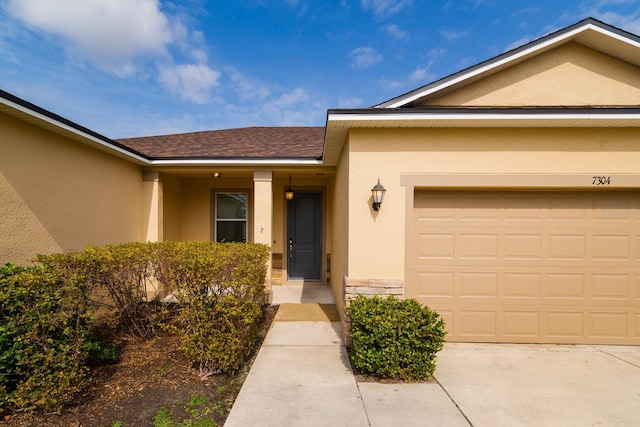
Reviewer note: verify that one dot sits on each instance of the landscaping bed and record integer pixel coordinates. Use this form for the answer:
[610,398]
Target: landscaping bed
[149,375]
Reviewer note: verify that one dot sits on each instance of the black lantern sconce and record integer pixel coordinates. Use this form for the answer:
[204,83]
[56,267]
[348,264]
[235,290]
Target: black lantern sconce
[378,195]
[289,193]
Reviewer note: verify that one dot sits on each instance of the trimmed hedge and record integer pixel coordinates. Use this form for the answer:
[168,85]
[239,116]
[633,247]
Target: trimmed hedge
[45,339]
[220,288]
[392,338]
[44,326]
[116,278]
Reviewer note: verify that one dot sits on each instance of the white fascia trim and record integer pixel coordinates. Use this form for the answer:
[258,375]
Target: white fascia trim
[505,60]
[147,162]
[470,116]
[240,162]
[73,130]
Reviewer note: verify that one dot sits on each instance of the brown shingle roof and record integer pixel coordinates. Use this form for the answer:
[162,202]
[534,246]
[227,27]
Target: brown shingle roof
[252,142]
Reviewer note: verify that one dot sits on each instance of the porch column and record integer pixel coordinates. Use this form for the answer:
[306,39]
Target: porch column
[263,210]
[152,207]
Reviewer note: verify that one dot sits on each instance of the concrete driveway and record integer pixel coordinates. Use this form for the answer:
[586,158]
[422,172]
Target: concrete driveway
[516,385]
[543,385]
[302,377]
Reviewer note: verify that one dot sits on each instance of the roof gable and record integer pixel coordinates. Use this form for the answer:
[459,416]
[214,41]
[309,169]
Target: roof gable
[568,76]
[590,33]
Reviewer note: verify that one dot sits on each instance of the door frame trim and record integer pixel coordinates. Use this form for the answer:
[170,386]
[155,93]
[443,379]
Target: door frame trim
[285,231]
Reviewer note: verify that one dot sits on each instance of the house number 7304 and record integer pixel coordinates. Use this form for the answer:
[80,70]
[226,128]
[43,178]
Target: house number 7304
[601,180]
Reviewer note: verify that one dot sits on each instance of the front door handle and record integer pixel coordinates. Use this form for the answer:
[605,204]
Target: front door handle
[290,248]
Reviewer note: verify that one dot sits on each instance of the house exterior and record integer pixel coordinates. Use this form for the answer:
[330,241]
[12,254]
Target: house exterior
[512,202]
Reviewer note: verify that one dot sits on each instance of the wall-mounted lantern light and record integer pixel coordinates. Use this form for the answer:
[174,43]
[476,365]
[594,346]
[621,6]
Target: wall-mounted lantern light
[378,194]
[289,193]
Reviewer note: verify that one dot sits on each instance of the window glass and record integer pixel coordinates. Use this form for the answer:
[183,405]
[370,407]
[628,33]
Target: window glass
[231,205]
[231,217]
[231,231]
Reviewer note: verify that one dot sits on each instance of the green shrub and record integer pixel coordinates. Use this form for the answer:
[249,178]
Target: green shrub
[45,342]
[43,329]
[116,277]
[220,287]
[394,338]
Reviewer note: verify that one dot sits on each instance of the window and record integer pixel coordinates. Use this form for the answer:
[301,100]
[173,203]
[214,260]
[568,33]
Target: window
[230,217]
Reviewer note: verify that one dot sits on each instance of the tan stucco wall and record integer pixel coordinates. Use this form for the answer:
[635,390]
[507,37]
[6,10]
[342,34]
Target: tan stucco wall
[279,208]
[340,233]
[376,242]
[263,207]
[196,218]
[571,75]
[59,195]
[172,199]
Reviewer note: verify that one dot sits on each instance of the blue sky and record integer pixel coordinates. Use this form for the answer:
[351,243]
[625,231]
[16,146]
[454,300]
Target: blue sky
[149,67]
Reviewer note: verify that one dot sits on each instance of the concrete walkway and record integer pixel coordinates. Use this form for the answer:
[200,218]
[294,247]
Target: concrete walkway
[302,377]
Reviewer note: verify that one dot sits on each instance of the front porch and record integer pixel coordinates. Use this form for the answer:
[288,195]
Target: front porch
[231,204]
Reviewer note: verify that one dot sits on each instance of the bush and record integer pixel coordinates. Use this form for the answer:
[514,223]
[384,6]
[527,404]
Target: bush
[45,342]
[392,338]
[220,288]
[43,330]
[116,278]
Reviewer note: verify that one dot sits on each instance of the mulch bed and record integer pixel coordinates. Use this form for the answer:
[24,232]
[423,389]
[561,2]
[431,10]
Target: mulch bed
[149,375]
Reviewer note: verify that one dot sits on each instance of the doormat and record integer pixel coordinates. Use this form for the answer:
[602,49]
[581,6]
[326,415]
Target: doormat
[307,313]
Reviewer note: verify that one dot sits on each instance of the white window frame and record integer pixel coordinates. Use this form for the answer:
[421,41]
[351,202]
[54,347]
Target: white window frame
[215,218]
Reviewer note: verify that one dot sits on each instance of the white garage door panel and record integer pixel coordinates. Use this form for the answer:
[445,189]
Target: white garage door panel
[557,267]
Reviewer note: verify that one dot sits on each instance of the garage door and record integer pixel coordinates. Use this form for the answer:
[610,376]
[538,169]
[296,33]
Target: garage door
[543,267]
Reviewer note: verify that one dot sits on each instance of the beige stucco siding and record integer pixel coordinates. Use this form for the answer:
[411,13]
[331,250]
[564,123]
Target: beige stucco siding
[377,240]
[59,195]
[197,213]
[340,223]
[571,75]
[172,199]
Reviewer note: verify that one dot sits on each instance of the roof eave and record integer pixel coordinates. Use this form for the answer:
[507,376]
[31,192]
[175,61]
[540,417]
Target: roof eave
[236,162]
[29,112]
[339,122]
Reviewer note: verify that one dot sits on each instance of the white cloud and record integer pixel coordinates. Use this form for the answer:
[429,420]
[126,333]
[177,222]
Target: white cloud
[365,57]
[396,32]
[525,11]
[191,82]
[294,97]
[110,34]
[246,88]
[385,7]
[293,108]
[602,10]
[437,53]
[452,34]
[422,75]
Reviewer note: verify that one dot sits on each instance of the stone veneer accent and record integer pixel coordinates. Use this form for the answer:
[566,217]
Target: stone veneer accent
[351,288]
